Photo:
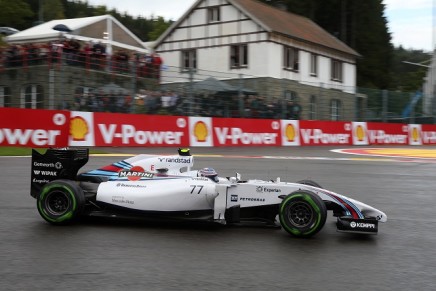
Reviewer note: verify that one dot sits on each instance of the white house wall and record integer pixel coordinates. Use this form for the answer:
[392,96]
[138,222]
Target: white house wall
[212,43]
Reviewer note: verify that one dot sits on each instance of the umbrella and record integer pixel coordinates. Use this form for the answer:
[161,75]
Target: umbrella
[112,88]
[61,27]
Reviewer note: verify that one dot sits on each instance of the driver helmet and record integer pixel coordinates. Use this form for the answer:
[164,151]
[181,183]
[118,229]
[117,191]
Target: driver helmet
[209,173]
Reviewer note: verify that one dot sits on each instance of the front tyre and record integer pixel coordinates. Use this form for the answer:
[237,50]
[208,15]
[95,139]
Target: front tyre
[302,213]
[60,202]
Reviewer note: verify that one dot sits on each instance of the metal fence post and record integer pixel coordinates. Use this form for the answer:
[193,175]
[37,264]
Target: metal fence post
[384,105]
[190,91]
[241,97]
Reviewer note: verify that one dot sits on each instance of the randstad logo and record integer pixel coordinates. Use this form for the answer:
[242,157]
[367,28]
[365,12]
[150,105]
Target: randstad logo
[200,131]
[360,133]
[78,128]
[290,132]
[415,134]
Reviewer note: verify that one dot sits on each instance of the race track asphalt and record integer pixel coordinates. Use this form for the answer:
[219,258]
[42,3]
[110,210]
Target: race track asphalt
[110,255]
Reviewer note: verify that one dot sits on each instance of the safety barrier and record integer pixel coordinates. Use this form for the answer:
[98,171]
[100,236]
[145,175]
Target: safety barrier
[60,128]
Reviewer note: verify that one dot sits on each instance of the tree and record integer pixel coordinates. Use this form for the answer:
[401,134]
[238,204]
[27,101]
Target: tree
[159,25]
[359,24]
[52,9]
[15,13]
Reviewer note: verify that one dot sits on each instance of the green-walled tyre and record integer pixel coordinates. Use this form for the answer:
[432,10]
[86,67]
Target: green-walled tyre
[60,202]
[302,213]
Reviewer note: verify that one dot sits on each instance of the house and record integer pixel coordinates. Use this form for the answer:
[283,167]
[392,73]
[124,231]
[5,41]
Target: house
[274,52]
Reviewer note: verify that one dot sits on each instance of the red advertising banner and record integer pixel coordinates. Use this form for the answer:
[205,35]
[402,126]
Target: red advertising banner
[33,127]
[387,133]
[112,129]
[325,132]
[246,132]
[422,134]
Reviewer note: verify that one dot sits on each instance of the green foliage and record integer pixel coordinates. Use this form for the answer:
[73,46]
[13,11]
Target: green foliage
[15,13]
[159,27]
[359,24]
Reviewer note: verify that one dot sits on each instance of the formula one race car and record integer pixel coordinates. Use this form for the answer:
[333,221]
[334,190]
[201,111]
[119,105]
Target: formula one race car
[166,188]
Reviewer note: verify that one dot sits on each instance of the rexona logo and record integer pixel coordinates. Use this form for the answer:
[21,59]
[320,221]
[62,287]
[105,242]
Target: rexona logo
[78,128]
[38,137]
[135,173]
[200,131]
[317,136]
[128,134]
[236,135]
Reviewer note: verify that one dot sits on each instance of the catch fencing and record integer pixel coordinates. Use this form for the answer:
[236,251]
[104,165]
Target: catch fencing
[133,84]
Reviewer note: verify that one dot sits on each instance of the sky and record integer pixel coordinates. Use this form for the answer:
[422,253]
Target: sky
[410,22]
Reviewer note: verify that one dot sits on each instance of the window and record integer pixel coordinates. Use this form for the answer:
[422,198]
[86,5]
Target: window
[335,109]
[213,14]
[291,60]
[239,56]
[189,60]
[312,108]
[5,97]
[313,65]
[336,70]
[32,97]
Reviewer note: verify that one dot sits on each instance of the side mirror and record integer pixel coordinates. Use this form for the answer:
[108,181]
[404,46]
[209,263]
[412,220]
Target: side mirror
[238,177]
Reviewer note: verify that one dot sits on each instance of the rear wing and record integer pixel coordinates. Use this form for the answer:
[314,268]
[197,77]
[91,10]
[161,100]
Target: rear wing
[55,164]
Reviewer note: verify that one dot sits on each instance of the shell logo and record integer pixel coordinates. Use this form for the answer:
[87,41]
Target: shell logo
[200,131]
[290,132]
[78,128]
[360,133]
[415,134]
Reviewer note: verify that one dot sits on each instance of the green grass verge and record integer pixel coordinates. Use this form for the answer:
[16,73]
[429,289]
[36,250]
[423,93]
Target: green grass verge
[23,151]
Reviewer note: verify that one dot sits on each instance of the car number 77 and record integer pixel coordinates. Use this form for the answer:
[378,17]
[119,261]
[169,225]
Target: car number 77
[196,189]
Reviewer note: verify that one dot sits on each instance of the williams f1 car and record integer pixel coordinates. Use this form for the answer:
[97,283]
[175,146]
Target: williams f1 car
[167,188]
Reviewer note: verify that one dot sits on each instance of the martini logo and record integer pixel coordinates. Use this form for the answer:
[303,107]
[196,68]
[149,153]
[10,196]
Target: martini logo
[135,173]
[78,128]
[200,131]
[290,132]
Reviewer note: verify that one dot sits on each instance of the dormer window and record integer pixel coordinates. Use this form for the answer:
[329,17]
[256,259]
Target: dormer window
[213,14]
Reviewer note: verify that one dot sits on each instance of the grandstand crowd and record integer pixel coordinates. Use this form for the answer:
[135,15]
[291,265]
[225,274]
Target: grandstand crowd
[90,55]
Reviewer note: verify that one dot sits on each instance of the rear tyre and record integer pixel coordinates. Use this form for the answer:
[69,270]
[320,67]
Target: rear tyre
[310,183]
[60,202]
[302,213]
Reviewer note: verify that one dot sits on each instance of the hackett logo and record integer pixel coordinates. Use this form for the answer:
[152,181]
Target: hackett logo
[129,134]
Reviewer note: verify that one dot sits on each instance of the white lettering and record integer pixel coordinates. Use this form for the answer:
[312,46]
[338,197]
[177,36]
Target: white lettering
[380,136]
[238,136]
[129,134]
[317,136]
[429,137]
[38,137]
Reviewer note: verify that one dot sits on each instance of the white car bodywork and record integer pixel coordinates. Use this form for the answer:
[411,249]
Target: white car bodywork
[170,186]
